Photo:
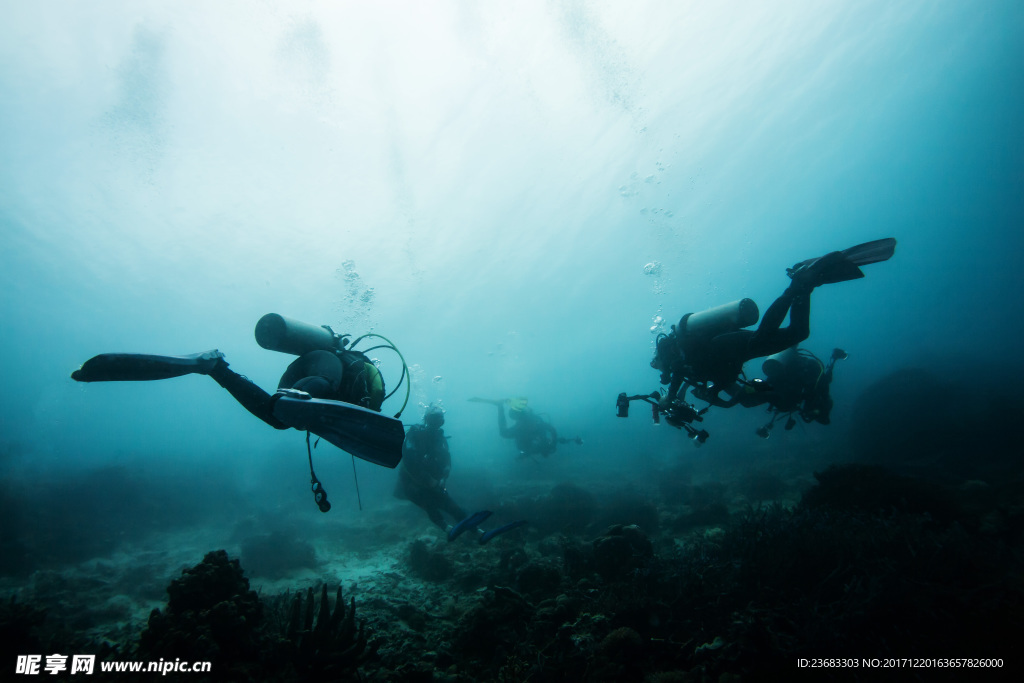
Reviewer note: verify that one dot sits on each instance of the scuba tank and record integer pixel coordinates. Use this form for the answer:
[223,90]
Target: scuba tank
[715,321]
[780,363]
[277,333]
[796,368]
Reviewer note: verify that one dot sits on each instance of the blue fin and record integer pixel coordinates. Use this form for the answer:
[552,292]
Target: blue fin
[500,530]
[468,523]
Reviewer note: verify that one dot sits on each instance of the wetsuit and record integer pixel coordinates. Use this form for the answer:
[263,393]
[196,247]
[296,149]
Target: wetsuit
[349,377]
[719,359]
[532,434]
[426,463]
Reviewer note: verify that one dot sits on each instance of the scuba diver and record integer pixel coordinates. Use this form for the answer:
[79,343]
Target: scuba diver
[707,350]
[796,382]
[533,434]
[426,463]
[331,389]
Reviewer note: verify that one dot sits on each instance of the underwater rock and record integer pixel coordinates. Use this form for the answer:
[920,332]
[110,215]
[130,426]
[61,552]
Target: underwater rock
[14,553]
[618,655]
[917,421]
[622,642]
[627,507]
[567,508]
[211,615]
[495,627]
[621,550]
[538,579]
[761,485]
[429,562]
[577,557]
[874,489]
[905,416]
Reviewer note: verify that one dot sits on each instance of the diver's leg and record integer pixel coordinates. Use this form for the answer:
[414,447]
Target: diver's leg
[432,503]
[451,507]
[252,398]
[770,337]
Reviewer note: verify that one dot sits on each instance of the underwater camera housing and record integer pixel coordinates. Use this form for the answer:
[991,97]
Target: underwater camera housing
[678,413]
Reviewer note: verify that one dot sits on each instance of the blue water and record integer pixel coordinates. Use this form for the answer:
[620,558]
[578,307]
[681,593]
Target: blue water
[484,183]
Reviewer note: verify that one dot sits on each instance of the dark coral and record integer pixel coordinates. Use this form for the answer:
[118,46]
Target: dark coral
[320,644]
[211,615]
[622,550]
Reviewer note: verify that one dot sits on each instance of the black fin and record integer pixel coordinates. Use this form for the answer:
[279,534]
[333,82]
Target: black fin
[871,252]
[364,433]
[139,367]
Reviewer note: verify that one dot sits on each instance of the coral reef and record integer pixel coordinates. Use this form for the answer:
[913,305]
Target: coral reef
[917,421]
[622,550]
[212,615]
[320,644]
[428,561]
[567,508]
[868,561]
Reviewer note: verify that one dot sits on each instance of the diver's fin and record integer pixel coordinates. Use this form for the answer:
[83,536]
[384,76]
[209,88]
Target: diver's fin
[468,523]
[138,367]
[871,252]
[362,432]
[488,535]
[840,266]
[824,270]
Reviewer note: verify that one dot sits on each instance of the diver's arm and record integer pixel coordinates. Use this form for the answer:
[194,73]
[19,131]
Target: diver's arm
[673,389]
